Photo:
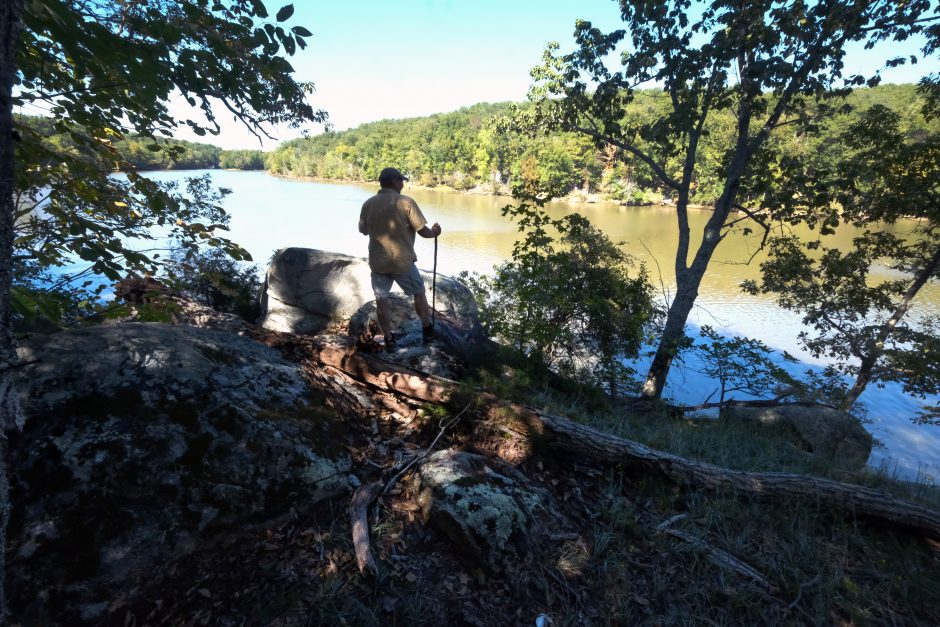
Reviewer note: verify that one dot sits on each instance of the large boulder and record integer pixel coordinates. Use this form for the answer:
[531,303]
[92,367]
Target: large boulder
[305,290]
[828,434]
[143,440]
[494,517]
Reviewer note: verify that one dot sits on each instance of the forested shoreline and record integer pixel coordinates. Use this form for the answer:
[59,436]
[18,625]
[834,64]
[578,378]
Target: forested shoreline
[145,153]
[476,149]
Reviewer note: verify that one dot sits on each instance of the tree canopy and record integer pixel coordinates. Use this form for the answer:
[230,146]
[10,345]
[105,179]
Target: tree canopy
[760,61]
[863,324]
[84,63]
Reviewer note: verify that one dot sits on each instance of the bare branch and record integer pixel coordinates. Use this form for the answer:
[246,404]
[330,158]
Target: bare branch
[750,214]
[642,156]
[659,271]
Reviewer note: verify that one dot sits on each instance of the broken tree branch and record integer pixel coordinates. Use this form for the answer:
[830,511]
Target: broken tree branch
[358,515]
[365,494]
[446,423]
[719,557]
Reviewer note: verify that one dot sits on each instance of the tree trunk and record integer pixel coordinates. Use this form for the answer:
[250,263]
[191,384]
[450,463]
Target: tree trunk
[679,310]
[689,276]
[563,435]
[688,281]
[11,12]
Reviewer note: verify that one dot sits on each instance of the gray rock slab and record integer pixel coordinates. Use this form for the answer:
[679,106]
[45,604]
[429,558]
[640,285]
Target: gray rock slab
[142,442]
[306,289]
[829,434]
[493,516]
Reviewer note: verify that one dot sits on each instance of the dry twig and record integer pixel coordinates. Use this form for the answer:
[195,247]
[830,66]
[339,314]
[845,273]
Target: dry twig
[445,424]
[719,557]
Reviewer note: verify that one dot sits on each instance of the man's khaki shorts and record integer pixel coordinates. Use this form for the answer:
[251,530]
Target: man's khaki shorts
[410,283]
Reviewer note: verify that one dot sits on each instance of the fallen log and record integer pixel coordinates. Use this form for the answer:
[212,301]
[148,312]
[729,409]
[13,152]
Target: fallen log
[561,434]
[579,439]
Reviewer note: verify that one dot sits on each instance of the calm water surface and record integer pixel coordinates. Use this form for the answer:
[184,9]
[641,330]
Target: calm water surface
[269,213]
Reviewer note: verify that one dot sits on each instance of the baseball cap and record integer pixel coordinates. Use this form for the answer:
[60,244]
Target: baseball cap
[389,175]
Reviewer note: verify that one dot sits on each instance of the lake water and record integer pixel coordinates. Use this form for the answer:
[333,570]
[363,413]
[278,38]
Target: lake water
[269,213]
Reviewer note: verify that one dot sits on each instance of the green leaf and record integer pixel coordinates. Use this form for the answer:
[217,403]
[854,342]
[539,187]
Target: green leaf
[300,31]
[286,11]
[260,9]
[23,303]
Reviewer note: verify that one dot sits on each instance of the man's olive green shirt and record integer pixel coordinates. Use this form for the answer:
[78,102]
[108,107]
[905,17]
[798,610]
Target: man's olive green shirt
[391,221]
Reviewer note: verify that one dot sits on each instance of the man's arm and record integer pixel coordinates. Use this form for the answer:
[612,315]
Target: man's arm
[433,231]
[363,227]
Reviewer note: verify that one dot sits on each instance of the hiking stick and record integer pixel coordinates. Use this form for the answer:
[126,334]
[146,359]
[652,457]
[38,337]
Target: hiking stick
[434,284]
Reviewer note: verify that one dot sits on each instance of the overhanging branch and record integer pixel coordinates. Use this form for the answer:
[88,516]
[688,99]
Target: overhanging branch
[639,154]
[750,214]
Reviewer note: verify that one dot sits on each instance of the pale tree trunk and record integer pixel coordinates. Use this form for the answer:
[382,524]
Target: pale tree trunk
[864,376]
[687,284]
[10,15]
[689,276]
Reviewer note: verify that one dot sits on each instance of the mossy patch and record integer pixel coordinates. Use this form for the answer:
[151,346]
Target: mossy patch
[491,517]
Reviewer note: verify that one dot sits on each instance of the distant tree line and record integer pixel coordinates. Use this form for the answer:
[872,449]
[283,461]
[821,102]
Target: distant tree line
[146,153]
[474,148]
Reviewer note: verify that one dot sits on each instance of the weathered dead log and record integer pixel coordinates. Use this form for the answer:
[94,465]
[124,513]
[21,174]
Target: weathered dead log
[581,440]
[565,435]
[775,402]
[359,516]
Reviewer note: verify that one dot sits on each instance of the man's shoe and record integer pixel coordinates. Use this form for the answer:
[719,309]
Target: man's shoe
[427,333]
[391,343]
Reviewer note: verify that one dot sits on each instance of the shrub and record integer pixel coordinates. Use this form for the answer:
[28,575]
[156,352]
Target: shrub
[566,298]
[211,277]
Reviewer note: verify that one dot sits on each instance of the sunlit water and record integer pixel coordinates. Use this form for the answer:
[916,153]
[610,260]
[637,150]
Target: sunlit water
[269,213]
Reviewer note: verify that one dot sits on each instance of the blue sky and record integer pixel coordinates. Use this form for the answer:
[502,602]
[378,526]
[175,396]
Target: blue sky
[373,60]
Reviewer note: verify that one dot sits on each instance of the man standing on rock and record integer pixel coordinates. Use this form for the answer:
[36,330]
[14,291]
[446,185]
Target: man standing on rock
[391,221]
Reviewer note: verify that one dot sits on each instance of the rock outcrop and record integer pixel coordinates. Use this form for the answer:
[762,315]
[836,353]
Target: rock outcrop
[142,441]
[831,435]
[305,290]
[493,515]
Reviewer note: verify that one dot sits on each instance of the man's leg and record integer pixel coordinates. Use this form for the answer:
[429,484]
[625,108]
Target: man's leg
[411,283]
[423,309]
[381,312]
[381,284]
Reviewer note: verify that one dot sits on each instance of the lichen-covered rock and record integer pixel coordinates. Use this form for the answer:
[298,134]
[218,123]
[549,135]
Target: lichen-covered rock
[829,434]
[493,516]
[306,289]
[144,440]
